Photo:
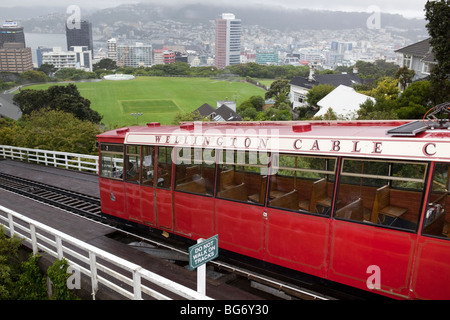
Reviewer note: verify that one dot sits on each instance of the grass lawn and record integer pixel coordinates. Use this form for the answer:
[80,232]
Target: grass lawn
[158,98]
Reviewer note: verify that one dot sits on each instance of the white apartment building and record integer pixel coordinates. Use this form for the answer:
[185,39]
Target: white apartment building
[83,58]
[60,59]
[112,49]
[158,56]
[78,58]
[311,55]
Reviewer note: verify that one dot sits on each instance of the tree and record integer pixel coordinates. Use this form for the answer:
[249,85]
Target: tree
[258,102]
[415,101]
[278,87]
[47,68]
[255,102]
[29,100]
[379,110]
[74,74]
[9,131]
[57,273]
[374,70]
[34,76]
[31,284]
[105,64]
[437,13]
[188,117]
[9,264]
[249,113]
[57,130]
[404,76]
[317,93]
[387,88]
[65,98]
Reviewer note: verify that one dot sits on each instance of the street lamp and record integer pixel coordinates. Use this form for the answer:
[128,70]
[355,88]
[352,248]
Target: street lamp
[137,115]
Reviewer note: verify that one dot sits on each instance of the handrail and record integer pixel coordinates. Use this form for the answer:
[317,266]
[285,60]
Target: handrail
[66,160]
[102,267]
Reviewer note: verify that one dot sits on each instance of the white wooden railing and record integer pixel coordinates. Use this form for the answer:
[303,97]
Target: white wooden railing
[73,161]
[120,275]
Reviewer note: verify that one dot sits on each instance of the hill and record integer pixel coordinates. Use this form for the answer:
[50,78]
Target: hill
[272,17]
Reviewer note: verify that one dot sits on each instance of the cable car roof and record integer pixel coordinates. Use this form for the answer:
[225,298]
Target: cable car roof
[396,139]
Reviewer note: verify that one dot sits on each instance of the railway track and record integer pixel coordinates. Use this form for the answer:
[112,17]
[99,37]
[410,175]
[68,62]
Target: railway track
[61,198]
[90,208]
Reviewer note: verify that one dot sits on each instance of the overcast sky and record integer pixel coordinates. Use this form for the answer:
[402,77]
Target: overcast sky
[408,8]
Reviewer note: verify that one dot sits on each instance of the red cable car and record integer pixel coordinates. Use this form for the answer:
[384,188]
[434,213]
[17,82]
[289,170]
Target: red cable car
[361,203]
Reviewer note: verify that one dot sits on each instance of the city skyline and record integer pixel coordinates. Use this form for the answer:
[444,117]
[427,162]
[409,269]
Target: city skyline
[409,9]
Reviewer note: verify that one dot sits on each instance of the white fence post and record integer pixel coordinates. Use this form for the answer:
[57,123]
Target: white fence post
[11,225]
[33,239]
[93,268]
[59,248]
[137,284]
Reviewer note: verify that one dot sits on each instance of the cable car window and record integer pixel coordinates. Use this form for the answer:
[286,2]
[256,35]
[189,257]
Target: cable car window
[111,161]
[195,170]
[437,216]
[242,176]
[164,168]
[132,163]
[302,183]
[148,156]
[381,192]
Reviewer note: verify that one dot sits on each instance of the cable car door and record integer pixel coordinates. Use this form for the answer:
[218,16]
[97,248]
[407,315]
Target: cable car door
[147,194]
[132,165]
[163,190]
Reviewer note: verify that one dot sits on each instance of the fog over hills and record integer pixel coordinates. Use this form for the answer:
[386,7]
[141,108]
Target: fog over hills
[269,17]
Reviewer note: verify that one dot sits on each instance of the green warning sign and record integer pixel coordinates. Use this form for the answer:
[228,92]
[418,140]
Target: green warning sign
[203,252]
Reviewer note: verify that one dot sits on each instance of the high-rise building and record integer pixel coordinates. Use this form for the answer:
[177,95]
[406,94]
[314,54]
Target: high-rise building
[14,56]
[228,40]
[79,34]
[158,56]
[267,56]
[11,33]
[112,49]
[168,57]
[139,55]
[39,52]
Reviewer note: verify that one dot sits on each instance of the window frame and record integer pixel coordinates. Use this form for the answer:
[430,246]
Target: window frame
[389,178]
[241,167]
[157,162]
[194,161]
[128,154]
[153,155]
[327,173]
[112,152]
[431,206]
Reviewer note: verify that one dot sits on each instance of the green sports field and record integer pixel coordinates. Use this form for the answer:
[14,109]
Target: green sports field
[158,98]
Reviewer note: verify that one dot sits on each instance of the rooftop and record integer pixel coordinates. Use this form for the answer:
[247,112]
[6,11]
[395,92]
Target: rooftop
[347,138]
[343,100]
[331,79]
[420,48]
